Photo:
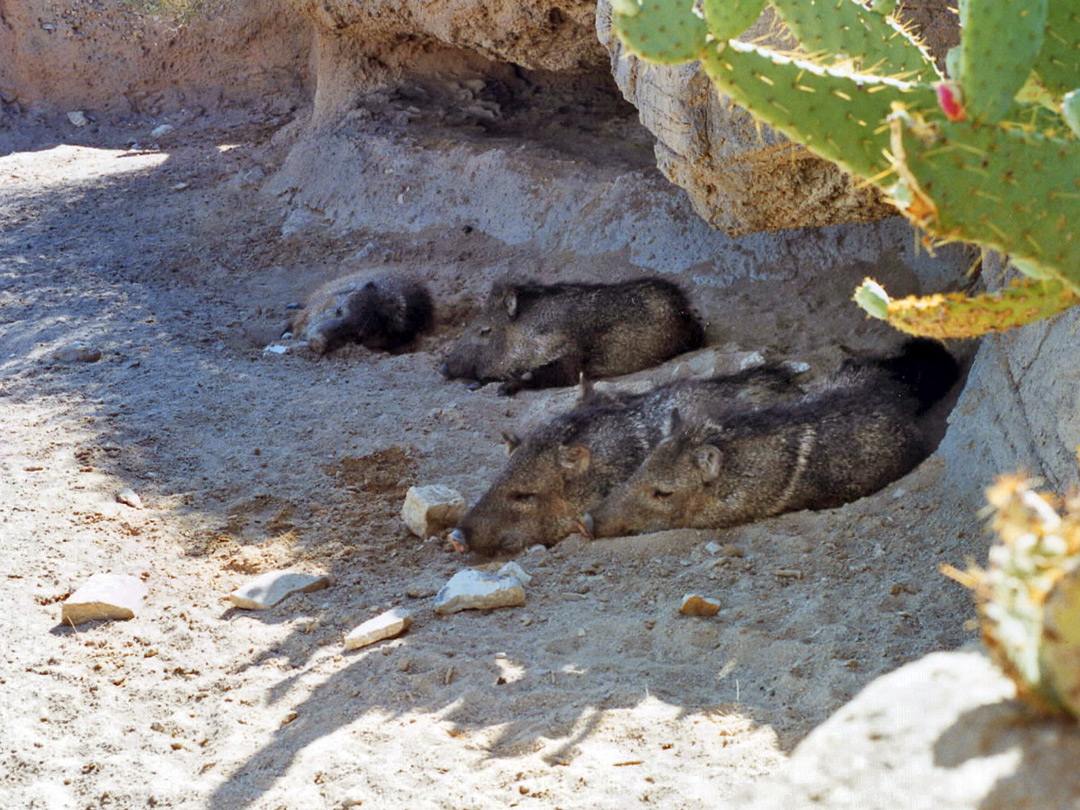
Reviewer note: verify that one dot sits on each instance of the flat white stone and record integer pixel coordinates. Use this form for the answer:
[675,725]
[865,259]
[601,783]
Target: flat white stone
[104,596]
[713,548]
[512,569]
[267,590]
[275,348]
[694,605]
[478,590]
[386,625]
[78,118]
[431,509]
[164,129]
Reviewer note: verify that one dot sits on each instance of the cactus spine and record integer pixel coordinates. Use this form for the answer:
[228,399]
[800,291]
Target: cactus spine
[990,156]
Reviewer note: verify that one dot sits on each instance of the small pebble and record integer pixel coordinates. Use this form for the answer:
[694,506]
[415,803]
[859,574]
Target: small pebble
[694,605]
[130,497]
[164,129]
[76,117]
[77,352]
[713,548]
[512,569]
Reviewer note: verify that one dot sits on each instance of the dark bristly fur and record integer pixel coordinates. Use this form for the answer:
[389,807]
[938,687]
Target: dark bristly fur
[567,466]
[538,336]
[386,312]
[841,443]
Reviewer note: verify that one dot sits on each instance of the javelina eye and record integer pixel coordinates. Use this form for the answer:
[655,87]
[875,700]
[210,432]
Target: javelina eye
[523,497]
[339,312]
[484,330]
[660,494]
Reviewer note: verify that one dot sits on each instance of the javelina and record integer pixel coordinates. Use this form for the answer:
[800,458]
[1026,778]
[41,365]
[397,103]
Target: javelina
[538,336]
[833,446]
[385,312]
[567,466]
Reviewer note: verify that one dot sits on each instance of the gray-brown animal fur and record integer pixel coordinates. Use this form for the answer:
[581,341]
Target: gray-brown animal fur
[567,466]
[538,336]
[827,449]
[385,312]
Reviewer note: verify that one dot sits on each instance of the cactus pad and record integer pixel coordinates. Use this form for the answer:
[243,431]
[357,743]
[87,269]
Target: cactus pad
[726,19]
[959,316]
[1004,188]
[843,30]
[835,116]
[999,44]
[666,32]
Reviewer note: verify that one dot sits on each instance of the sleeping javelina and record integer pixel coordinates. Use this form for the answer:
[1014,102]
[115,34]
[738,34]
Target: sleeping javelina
[538,336]
[385,312]
[567,466]
[826,449]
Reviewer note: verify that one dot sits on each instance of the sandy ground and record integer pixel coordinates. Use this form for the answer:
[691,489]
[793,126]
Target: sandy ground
[597,693]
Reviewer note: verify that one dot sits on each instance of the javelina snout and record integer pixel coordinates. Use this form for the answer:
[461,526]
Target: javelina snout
[536,336]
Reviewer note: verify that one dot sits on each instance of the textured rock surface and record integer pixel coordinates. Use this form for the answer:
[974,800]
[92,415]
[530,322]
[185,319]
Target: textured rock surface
[478,590]
[386,625]
[431,509]
[938,734]
[105,57]
[267,590]
[104,596]
[739,177]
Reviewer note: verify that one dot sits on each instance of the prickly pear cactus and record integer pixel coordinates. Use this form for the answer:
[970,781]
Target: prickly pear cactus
[955,315]
[1028,596]
[990,155]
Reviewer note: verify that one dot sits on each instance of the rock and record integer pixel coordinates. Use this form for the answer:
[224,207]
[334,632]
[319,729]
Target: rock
[386,625]
[130,497]
[267,590]
[432,509]
[713,548]
[512,569]
[420,591]
[78,118]
[942,733]
[161,131]
[104,596]
[694,605]
[276,348]
[77,352]
[478,590]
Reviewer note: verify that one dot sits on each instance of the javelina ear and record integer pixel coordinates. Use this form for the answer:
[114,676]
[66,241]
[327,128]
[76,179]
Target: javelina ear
[511,440]
[674,422]
[511,303]
[575,459]
[708,458]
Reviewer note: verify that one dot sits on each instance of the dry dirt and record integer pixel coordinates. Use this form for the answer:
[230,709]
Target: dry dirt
[597,693]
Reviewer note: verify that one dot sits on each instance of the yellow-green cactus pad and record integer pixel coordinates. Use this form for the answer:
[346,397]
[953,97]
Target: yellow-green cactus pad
[955,315]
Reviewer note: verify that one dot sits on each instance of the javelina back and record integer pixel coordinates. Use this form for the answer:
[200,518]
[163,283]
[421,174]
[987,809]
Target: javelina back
[567,466]
[538,336]
[385,312]
[831,447]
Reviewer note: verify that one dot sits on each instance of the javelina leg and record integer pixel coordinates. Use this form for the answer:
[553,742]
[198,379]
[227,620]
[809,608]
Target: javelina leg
[557,373]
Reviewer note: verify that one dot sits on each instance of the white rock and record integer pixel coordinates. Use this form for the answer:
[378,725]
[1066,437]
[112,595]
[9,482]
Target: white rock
[104,596]
[78,118]
[713,548]
[267,590]
[751,360]
[129,497]
[77,352]
[694,605]
[431,509]
[386,625]
[512,569]
[797,366]
[164,129]
[478,590]
[275,348]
